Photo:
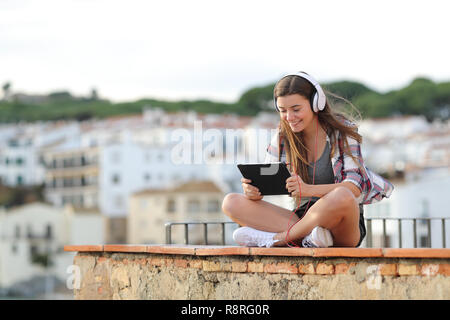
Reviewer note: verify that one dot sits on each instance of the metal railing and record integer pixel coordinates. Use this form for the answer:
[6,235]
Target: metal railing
[205,230]
[368,241]
[400,224]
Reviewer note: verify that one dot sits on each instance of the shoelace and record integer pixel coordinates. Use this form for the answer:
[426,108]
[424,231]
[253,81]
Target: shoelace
[307,243]
[261,240]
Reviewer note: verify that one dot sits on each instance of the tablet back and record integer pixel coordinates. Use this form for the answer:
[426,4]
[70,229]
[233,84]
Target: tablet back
[269,178]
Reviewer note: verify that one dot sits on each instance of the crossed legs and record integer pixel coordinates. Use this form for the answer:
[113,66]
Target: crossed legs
[337,211]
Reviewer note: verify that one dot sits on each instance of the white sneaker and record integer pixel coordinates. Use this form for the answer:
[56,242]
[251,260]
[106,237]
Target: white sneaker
[318,238]
[249,237]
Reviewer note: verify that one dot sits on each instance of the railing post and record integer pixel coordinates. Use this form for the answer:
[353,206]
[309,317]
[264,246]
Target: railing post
[186,233]
[429,233]
[369,233]
[399,232]
[384,232]
[205,233]
[223,233]
[415,232]
[443,233]
[168,233]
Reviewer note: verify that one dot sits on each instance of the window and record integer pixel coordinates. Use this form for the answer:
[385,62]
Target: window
[213,205]
[193,206]
[20,161]
[115,178]
[19,180]
[171,207]
[48,232]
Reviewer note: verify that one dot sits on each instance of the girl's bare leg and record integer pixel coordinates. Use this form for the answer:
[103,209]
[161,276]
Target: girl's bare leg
[258,214]
[337,211]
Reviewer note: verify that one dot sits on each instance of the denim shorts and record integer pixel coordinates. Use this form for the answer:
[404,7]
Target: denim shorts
[362,227]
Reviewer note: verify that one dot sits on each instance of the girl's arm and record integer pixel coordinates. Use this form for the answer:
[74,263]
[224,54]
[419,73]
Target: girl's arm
[317,190]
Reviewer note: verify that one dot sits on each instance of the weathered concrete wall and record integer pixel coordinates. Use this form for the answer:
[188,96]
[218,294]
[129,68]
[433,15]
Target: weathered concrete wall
[106,275]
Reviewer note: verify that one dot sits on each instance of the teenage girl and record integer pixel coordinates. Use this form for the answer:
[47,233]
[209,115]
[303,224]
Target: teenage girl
[329,181]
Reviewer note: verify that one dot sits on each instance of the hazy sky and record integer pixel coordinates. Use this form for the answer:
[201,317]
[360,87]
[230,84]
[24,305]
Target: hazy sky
[217,49]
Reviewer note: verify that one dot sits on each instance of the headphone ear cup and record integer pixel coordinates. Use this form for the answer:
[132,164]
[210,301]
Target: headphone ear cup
[315,103]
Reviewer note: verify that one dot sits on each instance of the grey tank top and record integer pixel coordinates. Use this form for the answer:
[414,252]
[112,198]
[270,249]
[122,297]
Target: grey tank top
[324,171]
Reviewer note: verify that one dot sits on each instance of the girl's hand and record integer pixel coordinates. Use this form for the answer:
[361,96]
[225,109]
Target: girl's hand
[292,185]
[251,192]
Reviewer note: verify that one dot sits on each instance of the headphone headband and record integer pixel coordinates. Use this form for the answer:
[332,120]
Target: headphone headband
[318,100]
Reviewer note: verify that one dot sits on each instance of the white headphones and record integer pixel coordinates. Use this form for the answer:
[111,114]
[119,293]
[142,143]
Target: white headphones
[318,100]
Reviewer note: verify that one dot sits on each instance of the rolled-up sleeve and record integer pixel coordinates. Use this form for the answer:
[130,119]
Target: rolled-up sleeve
[372,186]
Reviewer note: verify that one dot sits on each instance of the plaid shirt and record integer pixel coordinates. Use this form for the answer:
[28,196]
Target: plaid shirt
[372,186]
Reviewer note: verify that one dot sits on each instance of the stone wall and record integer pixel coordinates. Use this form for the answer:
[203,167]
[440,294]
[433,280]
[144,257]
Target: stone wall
[126,272]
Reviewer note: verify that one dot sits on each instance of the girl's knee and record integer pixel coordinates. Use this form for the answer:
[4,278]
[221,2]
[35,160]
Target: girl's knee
[231,202]
[344,198]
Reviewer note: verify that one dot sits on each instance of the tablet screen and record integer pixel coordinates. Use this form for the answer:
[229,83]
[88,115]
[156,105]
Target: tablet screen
[269,178]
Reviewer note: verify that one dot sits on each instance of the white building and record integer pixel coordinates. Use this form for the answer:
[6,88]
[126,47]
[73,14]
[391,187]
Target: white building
[20,146]
[33,233]
[197,201]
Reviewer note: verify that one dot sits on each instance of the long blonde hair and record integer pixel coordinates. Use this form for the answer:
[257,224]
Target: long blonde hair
[332,121]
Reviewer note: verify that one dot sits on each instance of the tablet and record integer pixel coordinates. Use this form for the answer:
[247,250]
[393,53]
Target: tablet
[269,178]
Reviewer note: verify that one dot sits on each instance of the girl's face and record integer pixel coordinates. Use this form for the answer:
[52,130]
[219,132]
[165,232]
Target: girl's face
[296,110]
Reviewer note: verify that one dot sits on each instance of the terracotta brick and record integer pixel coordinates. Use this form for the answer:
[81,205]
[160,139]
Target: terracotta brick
[444,269]
[238,266]
[388,269]
[347,252]
[282,251]
[221,250]
[84,248]
[341,268]
[323,268]
[101,259]
[255,267]
[157,262]
[211,266]
[306,268]
[407,269]
[171,249]
[225,266]
[197,264]
[429,270]
[168,262]
[281,267]
[416,253]
[123,248]
[180,263]
[142,261]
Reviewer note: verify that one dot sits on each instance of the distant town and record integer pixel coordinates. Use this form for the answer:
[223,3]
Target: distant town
[118,180]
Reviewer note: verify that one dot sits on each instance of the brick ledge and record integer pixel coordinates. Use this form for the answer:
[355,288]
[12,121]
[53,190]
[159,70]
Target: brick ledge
[204,250]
